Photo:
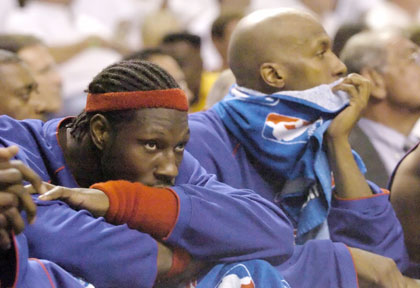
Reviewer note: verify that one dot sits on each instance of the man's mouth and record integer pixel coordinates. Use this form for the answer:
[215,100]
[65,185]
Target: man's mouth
[162,185]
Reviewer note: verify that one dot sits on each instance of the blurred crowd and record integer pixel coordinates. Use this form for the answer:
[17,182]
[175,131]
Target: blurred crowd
[84,36]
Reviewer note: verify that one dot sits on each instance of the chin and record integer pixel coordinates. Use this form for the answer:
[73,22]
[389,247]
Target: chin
[160,185]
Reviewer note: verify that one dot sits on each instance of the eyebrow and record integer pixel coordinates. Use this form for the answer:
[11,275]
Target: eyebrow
[323,42]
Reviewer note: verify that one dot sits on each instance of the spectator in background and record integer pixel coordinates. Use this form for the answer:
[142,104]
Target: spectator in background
[392,63]
[344,33]
[186,49]
[221,30]
[17,86]
[76,41]
[393,14]
[36,55]
[197,18]
[165,61]
[157,24]
[335,13]
[220,88]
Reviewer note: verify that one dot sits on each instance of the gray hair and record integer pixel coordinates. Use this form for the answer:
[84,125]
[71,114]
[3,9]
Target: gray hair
[366,49]
[8,57]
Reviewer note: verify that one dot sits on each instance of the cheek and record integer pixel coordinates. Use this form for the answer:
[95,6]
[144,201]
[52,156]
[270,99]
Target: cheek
[22,110]
[400,81]
[403,88]
[17,104]
[133,164]
[315,74]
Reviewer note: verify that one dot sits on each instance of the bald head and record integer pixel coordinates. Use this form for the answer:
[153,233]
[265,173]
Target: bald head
[275,41]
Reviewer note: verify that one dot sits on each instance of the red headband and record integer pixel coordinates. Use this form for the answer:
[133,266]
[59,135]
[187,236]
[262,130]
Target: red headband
[168,98]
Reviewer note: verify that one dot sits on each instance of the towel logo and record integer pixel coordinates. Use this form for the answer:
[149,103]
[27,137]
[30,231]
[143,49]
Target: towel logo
[237,277]
[286,129]
[233,281]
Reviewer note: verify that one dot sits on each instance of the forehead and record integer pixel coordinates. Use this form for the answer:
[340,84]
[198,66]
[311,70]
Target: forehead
[284,35]
[158,120]
[37,56]
[304,33]
[15,75]
[400,46]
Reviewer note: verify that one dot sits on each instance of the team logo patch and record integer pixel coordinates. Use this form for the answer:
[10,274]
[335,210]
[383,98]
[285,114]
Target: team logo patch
[237,277]
[284,129]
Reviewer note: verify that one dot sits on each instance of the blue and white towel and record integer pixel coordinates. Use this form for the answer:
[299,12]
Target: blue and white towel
[284,132]
[247,274]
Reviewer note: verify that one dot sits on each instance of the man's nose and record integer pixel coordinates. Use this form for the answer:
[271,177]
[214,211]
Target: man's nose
[167,168]
[56,78]
[339,68]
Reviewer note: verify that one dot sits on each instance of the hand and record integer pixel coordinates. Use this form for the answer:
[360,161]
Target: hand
[375,271]
[188,276]
[165,258]
[358,88]
[13,196]
[93,200]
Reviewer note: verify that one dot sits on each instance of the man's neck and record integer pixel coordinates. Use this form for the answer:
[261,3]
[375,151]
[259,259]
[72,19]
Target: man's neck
[397,118]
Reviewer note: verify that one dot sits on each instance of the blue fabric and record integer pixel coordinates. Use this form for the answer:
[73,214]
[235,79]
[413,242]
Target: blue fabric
[284,132]
[369,224]
[211,225]
[36,273]
[250,274]
[323,262]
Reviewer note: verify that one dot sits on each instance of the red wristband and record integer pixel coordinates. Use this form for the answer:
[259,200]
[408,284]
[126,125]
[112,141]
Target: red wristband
[151,210]
[180,261]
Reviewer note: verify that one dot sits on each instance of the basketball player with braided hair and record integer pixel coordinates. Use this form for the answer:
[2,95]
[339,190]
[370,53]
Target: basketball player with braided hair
[133,131]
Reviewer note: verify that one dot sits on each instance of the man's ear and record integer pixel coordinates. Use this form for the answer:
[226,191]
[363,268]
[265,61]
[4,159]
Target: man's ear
[378,82]
[99,131]
[273,75]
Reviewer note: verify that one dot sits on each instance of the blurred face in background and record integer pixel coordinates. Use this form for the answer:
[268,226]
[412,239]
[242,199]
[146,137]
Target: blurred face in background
[189,59]
[42,65]
[17,86]
[171,66]
[401,73]
[222,43]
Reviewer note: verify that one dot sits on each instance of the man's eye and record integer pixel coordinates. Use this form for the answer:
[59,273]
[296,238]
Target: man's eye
[321,54]
[180,147]
[150,145]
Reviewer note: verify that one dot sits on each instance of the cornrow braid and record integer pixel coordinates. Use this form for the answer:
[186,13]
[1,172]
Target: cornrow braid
[123,76]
